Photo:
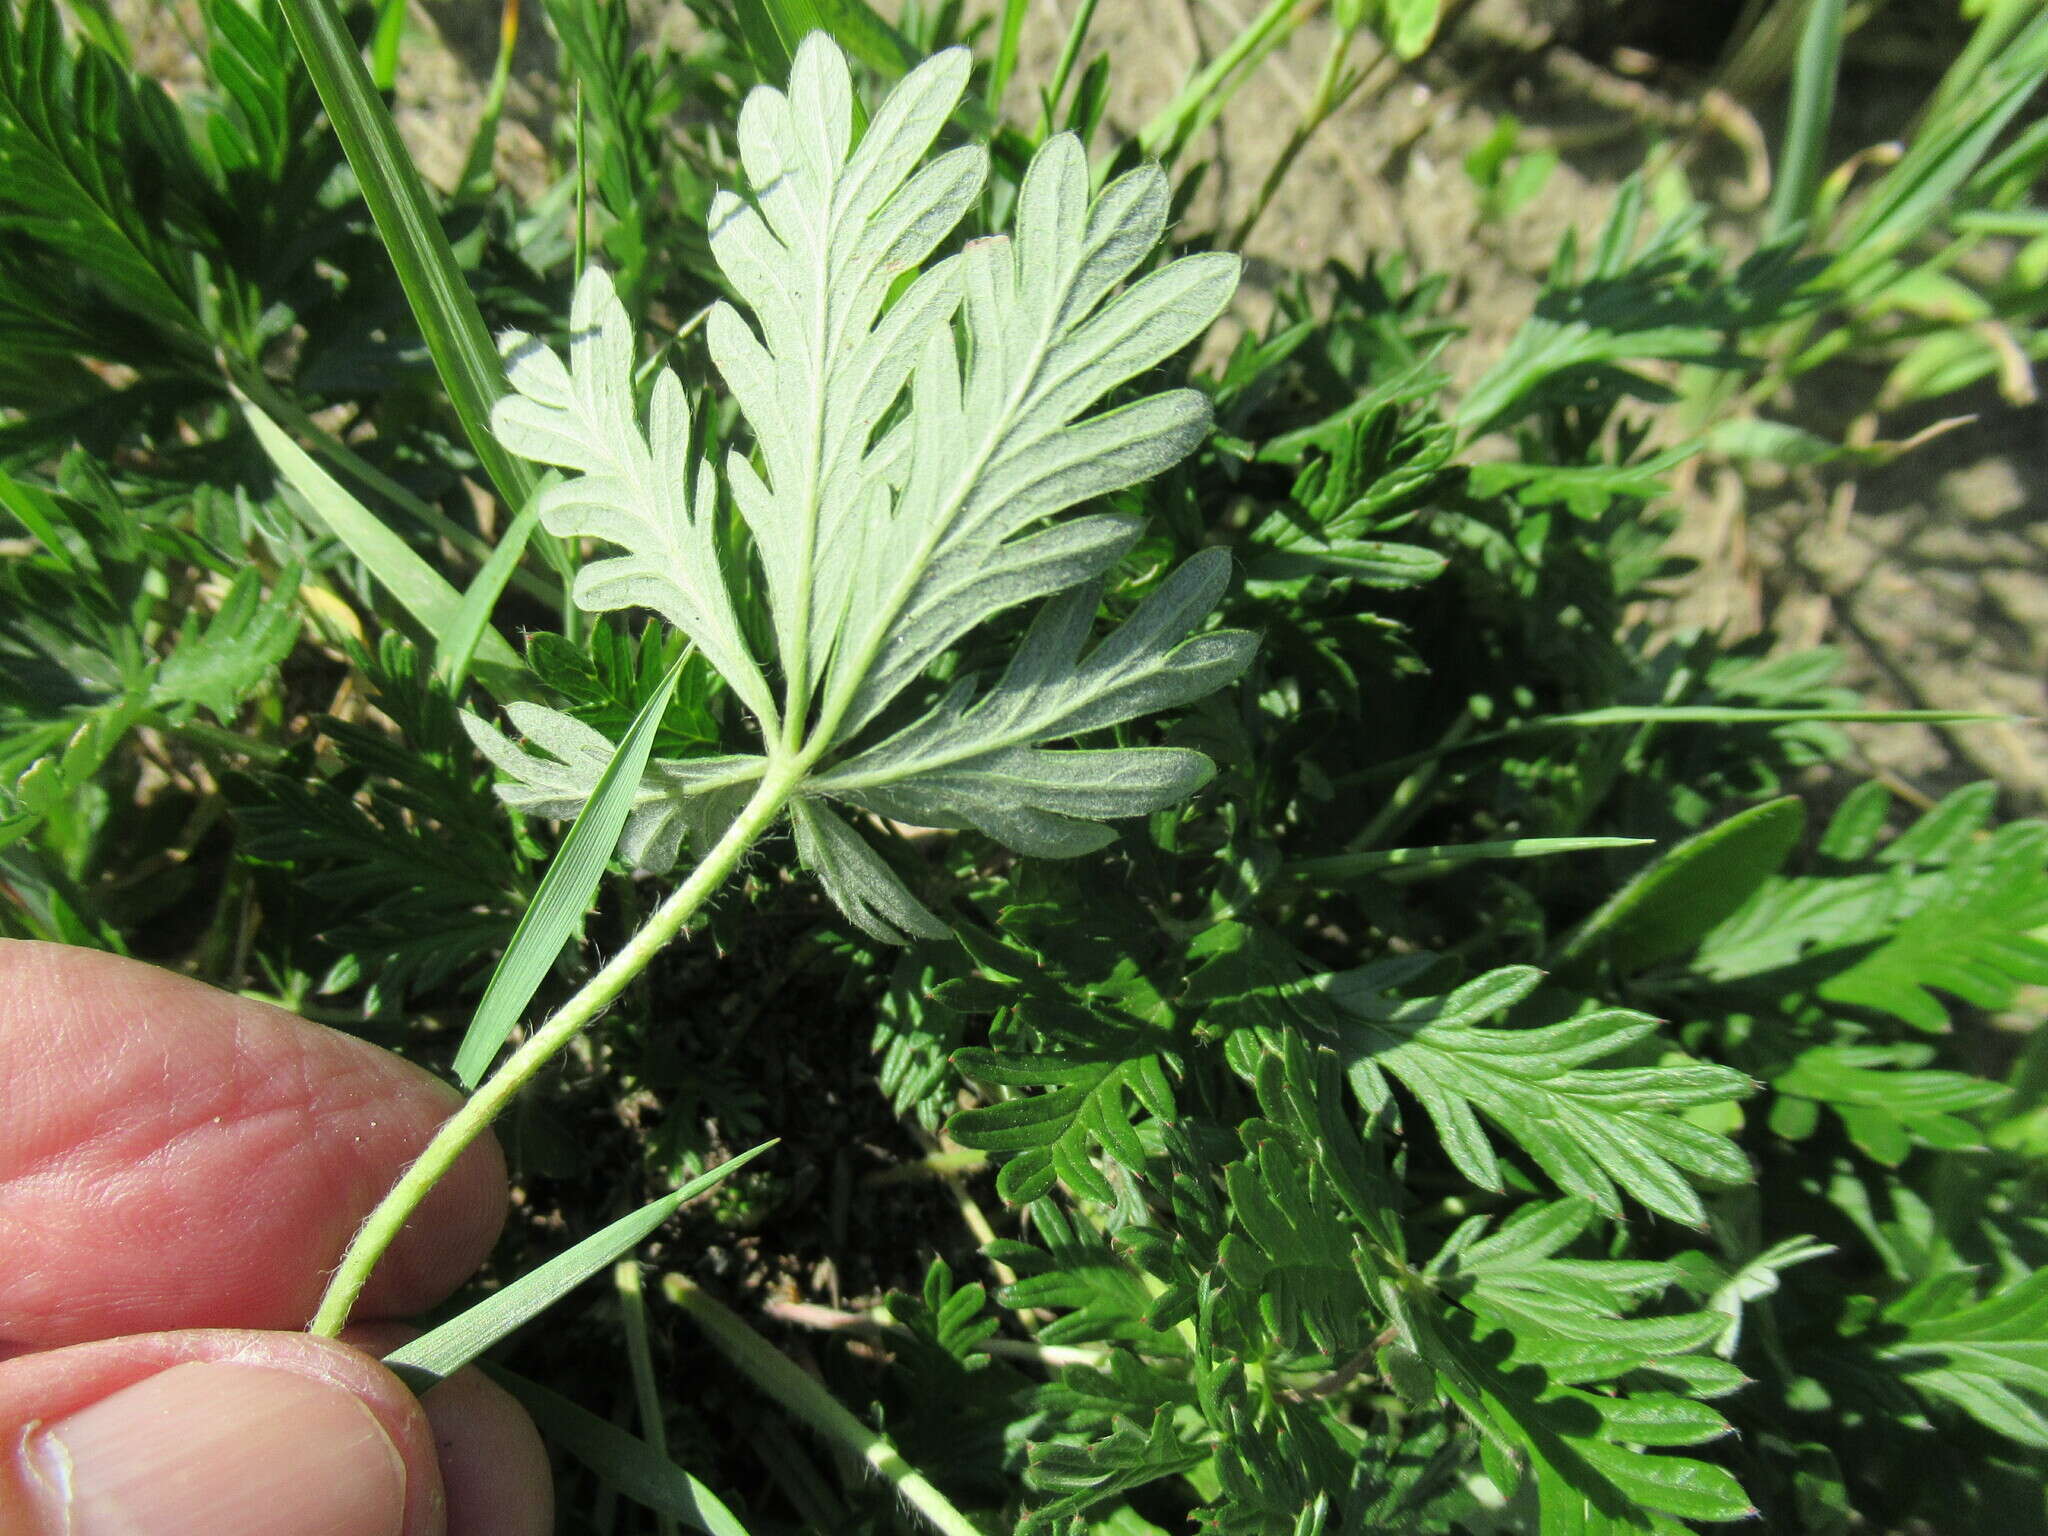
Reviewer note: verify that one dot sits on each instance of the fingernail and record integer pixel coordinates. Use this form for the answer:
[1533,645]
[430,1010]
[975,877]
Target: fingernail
[211,1448]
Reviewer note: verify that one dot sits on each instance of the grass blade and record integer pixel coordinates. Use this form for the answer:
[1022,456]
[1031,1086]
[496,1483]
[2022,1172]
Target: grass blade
[1813,107]
[629,1465]
[1718,714]
[566,890]
[1428,861]
[1674,714]
[443,1351]
[1671,905]
[37,512]
[1070,53]
[855,25]
[1005,62]
[782,1379]
[473,617]
[640,1356]
[421,590]
[1943,155]
[1203,97]
[385,41]
[448,318]
[476,166]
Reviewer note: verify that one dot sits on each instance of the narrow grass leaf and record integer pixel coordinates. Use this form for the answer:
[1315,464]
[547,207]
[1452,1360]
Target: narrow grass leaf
[782,1379]
[566,891]
[1420,861]
[473,616]
[1204,97]
[385,41]
[434,284]
[1674,714]
[853,24]
[1008,39]
[1806,126]
[421,590]
[640,1357]
[1669,907]
[631,1466]
[34,509]
[445,1350]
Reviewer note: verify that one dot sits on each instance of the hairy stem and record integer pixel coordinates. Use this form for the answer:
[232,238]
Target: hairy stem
[489,1101]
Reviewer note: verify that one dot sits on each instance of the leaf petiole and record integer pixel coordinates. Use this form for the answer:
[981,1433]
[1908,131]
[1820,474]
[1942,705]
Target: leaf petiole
[378,1233]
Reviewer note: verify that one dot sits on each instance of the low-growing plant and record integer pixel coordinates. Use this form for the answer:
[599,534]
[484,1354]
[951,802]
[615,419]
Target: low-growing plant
[1184,825]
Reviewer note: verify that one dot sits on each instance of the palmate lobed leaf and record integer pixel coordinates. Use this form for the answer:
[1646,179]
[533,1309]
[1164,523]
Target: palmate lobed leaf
[915,423]
[1988,1358]
[1530,1331]
[1590,1129]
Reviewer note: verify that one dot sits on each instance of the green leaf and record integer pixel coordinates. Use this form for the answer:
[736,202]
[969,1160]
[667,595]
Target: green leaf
[1975,107]
[1989,1358]
[1667,909]
[994,452]
[1077,1477]
[681,802]
[1590,1130]
[1775,442]
[1886,1099]
[1529,1331]
[565,893]
[440,1353]
[473,617]
[976,764]
[434,284]
[854,876]
[419,588]
[620,1460]
[852,24]
[1410,25]
[638,490]
[1974,931]
[1099,1045]
[893,499]
[36,510]
[1394,862]
[69,182]
[219,664]
[1814,74]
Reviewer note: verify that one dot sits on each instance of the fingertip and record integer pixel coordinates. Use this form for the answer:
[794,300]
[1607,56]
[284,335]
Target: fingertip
[176,1157]
[493,1464]
[261,1434]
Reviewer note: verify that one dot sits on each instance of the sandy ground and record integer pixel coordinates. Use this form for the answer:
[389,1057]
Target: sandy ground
[1935,582]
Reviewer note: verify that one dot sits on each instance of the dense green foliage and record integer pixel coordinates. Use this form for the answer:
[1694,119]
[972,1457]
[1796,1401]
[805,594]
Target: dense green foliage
[1380,1137]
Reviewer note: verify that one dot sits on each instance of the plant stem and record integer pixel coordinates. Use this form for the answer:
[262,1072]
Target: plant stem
[777,1375]
[489,1101]
[1333,89]
[1203,97]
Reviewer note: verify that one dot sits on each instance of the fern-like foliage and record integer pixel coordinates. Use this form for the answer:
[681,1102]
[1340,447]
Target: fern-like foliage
[1590,1129]
[1100,1046]
[1596,1131]
[1544,1355]
[916,421]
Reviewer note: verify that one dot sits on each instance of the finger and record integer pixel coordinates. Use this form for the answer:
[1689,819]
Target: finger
[217,1433]
[174,1157]
[493,1465]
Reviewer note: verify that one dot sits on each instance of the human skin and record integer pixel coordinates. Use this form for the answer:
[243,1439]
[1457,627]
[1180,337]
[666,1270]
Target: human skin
[179,1171]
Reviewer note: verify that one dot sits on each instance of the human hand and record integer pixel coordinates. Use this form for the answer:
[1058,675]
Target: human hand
[179,1171]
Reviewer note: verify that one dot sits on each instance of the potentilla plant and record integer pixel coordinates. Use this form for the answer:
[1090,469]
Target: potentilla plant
[917,425]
